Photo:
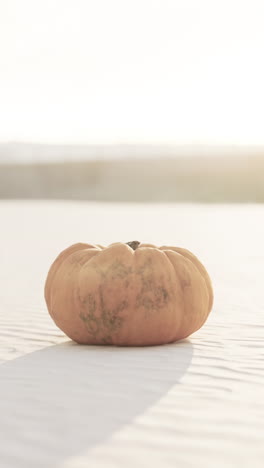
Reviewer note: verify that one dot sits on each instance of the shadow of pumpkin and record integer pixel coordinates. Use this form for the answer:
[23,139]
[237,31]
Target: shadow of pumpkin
[62,400]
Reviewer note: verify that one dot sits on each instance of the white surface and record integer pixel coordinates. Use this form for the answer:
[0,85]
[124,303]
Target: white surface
[195,403]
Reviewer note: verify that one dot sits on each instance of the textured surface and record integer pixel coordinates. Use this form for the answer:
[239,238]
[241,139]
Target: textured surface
[195,403]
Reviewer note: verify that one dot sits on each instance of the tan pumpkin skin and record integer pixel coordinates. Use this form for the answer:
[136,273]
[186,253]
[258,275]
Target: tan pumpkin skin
[128,294]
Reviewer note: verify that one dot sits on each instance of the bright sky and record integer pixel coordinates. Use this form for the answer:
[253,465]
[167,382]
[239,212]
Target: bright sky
[141,71]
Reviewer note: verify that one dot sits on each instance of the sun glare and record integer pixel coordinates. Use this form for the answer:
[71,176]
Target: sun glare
[148,71]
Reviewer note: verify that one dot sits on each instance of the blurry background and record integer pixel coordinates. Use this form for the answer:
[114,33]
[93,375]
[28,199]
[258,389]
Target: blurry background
[150,100]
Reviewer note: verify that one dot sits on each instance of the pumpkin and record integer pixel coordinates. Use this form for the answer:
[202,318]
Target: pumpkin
[131,294]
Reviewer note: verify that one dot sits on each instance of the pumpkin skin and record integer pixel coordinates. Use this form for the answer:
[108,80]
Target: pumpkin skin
[132,294]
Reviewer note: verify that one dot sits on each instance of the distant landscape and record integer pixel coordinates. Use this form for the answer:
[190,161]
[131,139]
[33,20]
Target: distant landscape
[132,173]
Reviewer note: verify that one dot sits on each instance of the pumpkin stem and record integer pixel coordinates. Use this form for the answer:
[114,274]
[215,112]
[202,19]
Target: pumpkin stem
[133,244]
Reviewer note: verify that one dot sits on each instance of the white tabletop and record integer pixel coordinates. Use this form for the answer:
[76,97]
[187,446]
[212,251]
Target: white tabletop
[196,403]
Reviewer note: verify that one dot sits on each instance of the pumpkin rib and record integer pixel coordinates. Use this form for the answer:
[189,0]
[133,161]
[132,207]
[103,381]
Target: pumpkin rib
[56,265]
[177,278]
[147,245]
[189,264]
[183,296]
[187,254]
[105,265]
[65,274]
[172,303]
